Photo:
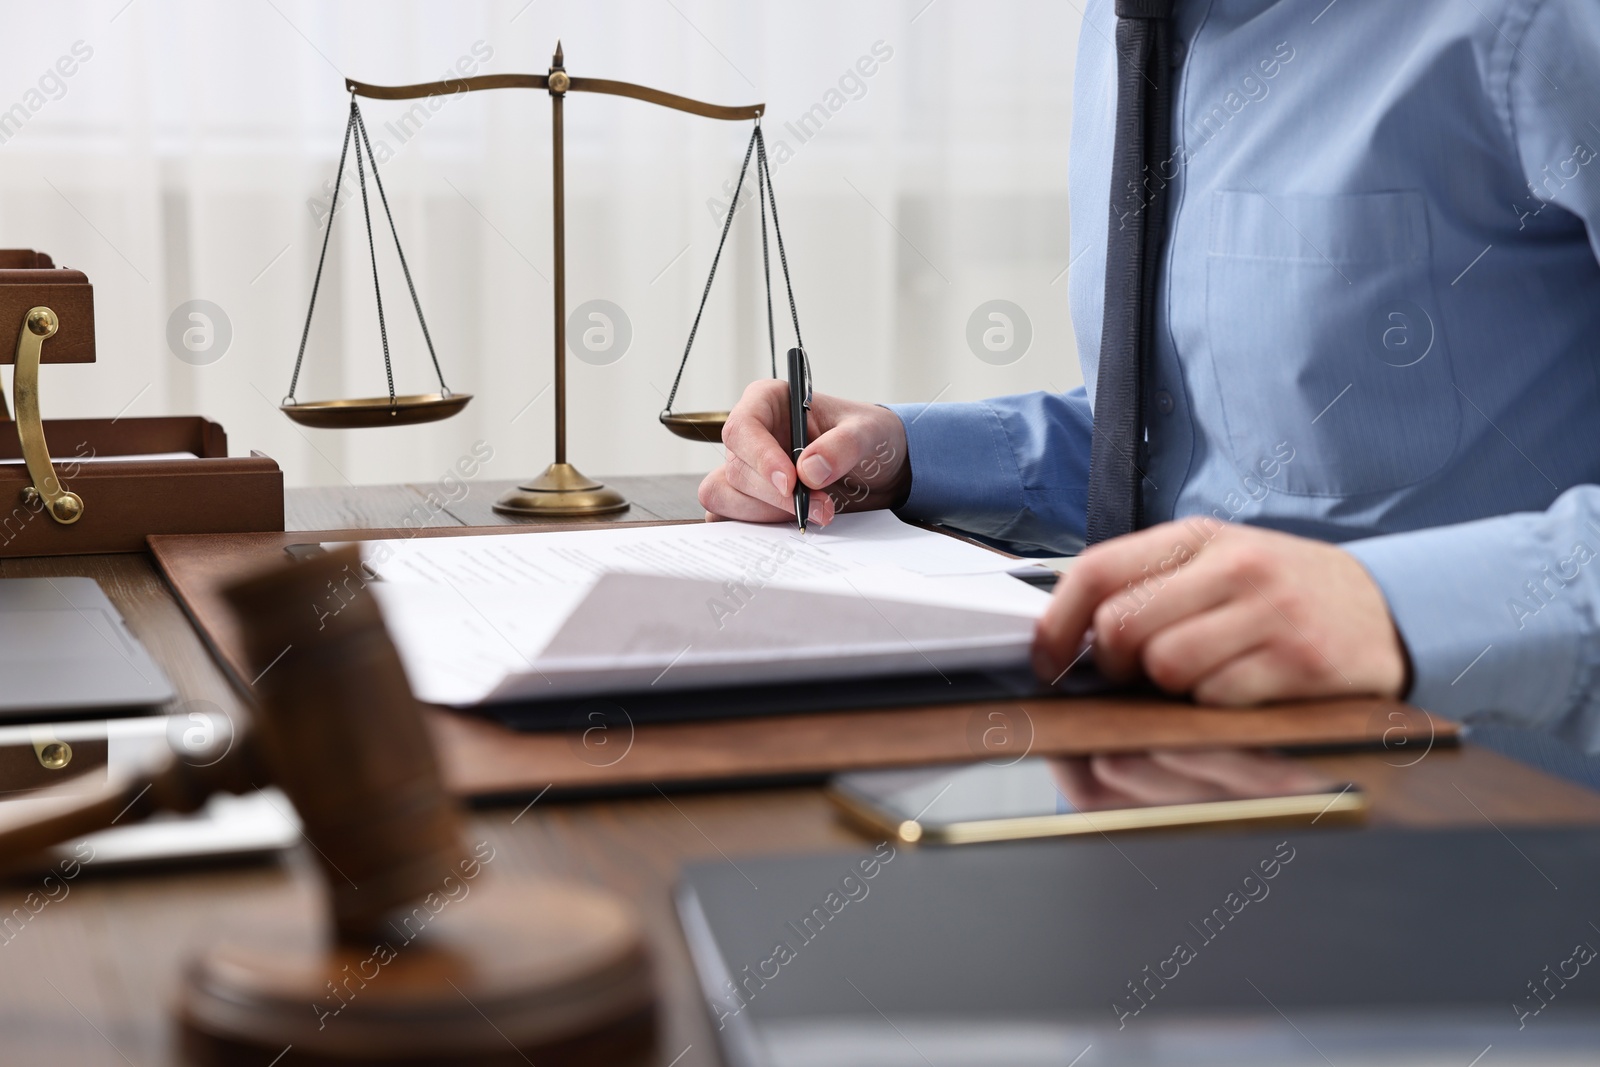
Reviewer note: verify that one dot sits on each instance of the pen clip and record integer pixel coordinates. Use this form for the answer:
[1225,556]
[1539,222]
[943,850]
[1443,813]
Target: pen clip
[805,365]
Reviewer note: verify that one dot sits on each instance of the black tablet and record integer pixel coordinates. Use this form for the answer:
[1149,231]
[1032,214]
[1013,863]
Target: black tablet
[1300,946]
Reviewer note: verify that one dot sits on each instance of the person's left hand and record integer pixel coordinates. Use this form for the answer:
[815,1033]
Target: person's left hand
[1232,614]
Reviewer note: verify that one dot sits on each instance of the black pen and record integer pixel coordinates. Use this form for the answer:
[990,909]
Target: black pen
[799,404]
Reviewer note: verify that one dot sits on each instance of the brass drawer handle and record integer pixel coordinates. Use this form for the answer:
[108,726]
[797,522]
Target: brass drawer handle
[64,507]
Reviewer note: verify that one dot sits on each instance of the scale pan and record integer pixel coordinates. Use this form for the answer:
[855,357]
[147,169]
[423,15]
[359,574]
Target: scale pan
[696,425]
[366,412]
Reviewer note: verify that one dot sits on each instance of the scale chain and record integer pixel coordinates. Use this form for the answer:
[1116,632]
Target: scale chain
[361,126]
[372,249]
[316,284]
[356,130]
[766,264]
[777,233]
[727,224]
[757,146]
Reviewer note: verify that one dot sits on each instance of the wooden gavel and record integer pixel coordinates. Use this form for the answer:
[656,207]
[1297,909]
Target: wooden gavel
[551,972]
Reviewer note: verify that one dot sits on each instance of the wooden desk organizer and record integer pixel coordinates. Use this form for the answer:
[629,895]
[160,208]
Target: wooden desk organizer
[71,503]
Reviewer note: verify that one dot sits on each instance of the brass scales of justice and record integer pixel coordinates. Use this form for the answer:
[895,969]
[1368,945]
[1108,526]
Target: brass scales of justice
[562,490]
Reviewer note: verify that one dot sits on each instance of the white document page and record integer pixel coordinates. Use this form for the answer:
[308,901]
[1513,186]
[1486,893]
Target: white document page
[467,612]
[712,550]
[643,633]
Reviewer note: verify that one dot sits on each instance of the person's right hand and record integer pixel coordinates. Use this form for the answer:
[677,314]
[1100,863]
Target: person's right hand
[857,454]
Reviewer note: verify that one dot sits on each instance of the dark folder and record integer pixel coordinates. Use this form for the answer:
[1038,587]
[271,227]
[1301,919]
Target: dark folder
[730,702]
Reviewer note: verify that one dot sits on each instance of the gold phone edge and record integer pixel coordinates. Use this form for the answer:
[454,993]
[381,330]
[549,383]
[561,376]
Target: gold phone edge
[1349,803]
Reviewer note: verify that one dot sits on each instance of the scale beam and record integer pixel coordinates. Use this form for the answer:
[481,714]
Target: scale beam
[450,86]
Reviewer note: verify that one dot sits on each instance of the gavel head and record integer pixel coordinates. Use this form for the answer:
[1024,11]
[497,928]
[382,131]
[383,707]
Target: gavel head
[342,736]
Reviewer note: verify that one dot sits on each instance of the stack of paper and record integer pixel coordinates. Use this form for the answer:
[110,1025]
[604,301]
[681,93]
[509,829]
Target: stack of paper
[516,617]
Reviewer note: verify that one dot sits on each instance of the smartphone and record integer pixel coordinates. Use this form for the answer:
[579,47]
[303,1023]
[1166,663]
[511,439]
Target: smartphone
[1048,797]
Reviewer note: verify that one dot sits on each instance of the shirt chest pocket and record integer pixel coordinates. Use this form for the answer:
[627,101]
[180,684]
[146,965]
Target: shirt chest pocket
[1324,333]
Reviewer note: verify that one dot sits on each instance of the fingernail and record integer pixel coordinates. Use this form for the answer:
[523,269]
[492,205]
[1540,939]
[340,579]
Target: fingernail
[781,481]
[816,471]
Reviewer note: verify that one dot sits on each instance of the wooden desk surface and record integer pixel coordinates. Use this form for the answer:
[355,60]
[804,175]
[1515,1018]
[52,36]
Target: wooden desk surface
[88,979]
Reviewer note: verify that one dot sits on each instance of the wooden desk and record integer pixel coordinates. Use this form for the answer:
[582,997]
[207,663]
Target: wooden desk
[88,979]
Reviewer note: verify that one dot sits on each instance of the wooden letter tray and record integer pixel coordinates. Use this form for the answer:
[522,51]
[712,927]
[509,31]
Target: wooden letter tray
[81,497]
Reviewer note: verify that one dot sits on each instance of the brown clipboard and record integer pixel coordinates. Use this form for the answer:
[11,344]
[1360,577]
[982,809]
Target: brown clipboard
[484,759]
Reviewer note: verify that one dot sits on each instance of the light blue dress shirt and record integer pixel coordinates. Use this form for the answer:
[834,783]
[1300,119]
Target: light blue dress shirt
[1378,324]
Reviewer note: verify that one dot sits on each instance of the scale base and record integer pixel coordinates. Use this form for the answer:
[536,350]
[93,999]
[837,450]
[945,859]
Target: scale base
[561,491]
[515,971]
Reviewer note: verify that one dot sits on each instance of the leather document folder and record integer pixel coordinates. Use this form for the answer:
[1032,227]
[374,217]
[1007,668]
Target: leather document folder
[604,748]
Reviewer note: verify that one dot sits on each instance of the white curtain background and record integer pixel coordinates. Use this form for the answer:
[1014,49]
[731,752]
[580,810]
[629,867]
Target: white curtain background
[184,157]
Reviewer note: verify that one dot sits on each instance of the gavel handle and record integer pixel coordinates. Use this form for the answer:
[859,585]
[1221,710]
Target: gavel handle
[128,797]
[24,833]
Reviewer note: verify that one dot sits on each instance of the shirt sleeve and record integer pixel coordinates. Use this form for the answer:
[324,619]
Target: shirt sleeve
[1013,469]
[1499,615]
[1502,616]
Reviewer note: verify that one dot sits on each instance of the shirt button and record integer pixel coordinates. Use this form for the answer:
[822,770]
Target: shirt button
[1164,402]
